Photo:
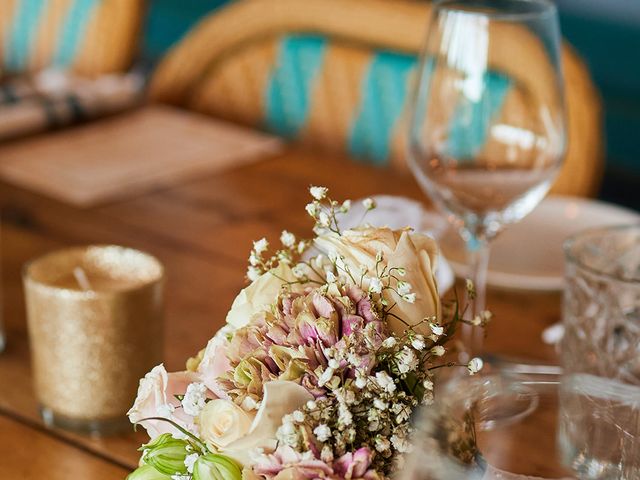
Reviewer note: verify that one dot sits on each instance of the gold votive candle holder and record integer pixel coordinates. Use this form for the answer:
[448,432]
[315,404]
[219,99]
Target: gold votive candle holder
[95,325]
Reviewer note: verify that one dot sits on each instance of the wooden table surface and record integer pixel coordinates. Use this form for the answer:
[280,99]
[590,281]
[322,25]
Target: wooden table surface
[202,231]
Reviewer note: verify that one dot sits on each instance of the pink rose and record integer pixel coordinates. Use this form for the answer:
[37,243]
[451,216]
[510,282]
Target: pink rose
[156,399]
[353,465]
[287,464]
[215,362]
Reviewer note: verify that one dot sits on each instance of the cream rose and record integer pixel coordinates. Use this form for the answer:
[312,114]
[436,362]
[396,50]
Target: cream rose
[224,425]
[223,422]
[414,252]
[259,295]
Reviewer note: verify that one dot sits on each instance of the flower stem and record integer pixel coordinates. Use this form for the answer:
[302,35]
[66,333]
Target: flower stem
[478,260]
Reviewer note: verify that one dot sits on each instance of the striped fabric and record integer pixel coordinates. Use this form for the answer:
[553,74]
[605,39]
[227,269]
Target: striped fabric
[293,85]
[87,36]
[244,63]
[470,127]
[384,92]
[290,84]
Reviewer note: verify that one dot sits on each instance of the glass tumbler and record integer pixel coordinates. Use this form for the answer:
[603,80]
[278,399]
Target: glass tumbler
[599,430]
[488,427]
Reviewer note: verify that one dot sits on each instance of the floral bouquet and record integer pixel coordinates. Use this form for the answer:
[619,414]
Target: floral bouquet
[324,357]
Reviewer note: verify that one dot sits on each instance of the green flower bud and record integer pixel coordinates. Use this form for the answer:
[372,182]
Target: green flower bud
[166,454]
[214,466]
[147,472]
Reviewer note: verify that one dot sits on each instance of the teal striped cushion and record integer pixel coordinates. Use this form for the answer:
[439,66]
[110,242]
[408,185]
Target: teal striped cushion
[290,84]
[28,22]
[384,94]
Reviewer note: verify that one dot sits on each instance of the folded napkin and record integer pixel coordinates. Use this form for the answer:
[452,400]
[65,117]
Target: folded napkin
[53,99]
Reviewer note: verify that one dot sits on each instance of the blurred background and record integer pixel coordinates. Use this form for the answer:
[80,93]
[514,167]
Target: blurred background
[142,123]
[605,34]
[226,59]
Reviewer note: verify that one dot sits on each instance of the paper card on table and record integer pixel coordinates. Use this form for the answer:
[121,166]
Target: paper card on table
[128,154]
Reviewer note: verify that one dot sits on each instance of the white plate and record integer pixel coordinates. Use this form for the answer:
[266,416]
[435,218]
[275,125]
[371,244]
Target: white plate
[528,255]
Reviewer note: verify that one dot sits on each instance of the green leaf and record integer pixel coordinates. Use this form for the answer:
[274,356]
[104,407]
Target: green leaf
[147,472]
[214,466]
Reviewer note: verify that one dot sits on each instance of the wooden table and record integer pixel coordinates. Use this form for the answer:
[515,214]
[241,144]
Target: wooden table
[202,232]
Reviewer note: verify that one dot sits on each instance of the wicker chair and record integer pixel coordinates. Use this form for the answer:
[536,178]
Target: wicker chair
[87,37]
[336,74]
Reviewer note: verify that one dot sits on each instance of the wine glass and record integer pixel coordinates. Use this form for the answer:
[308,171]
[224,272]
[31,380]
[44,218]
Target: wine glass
[487,134]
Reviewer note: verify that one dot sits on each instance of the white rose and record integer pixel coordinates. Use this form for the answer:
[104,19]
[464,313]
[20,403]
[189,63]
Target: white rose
[223,423]
[414,252]
[259,295]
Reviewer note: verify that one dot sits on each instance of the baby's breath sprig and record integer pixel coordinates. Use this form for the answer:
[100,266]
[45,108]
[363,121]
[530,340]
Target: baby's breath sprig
[384,279]
[471,289]
[325,211]
[292,249]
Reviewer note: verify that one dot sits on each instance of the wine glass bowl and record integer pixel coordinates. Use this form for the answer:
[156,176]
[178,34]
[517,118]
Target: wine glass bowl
[487,134]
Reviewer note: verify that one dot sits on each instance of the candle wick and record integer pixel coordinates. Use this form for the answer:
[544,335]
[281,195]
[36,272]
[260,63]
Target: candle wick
[81,278]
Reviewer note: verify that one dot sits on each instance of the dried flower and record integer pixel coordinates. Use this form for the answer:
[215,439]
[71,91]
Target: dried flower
[343,339]
[253,273]
[403,288]
[288,239]
[471,289]
[369,203]
[385,382]
[322,433]
[438,350]
[194,399]
[319,193]
[436,329]
[375,285]
[418,343]
[313,209]
[260,246]
[323,219]
[409,297]
[475,365]
[389,342]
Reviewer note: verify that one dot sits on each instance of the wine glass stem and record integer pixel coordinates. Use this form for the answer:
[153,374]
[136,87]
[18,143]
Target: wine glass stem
[478,260]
